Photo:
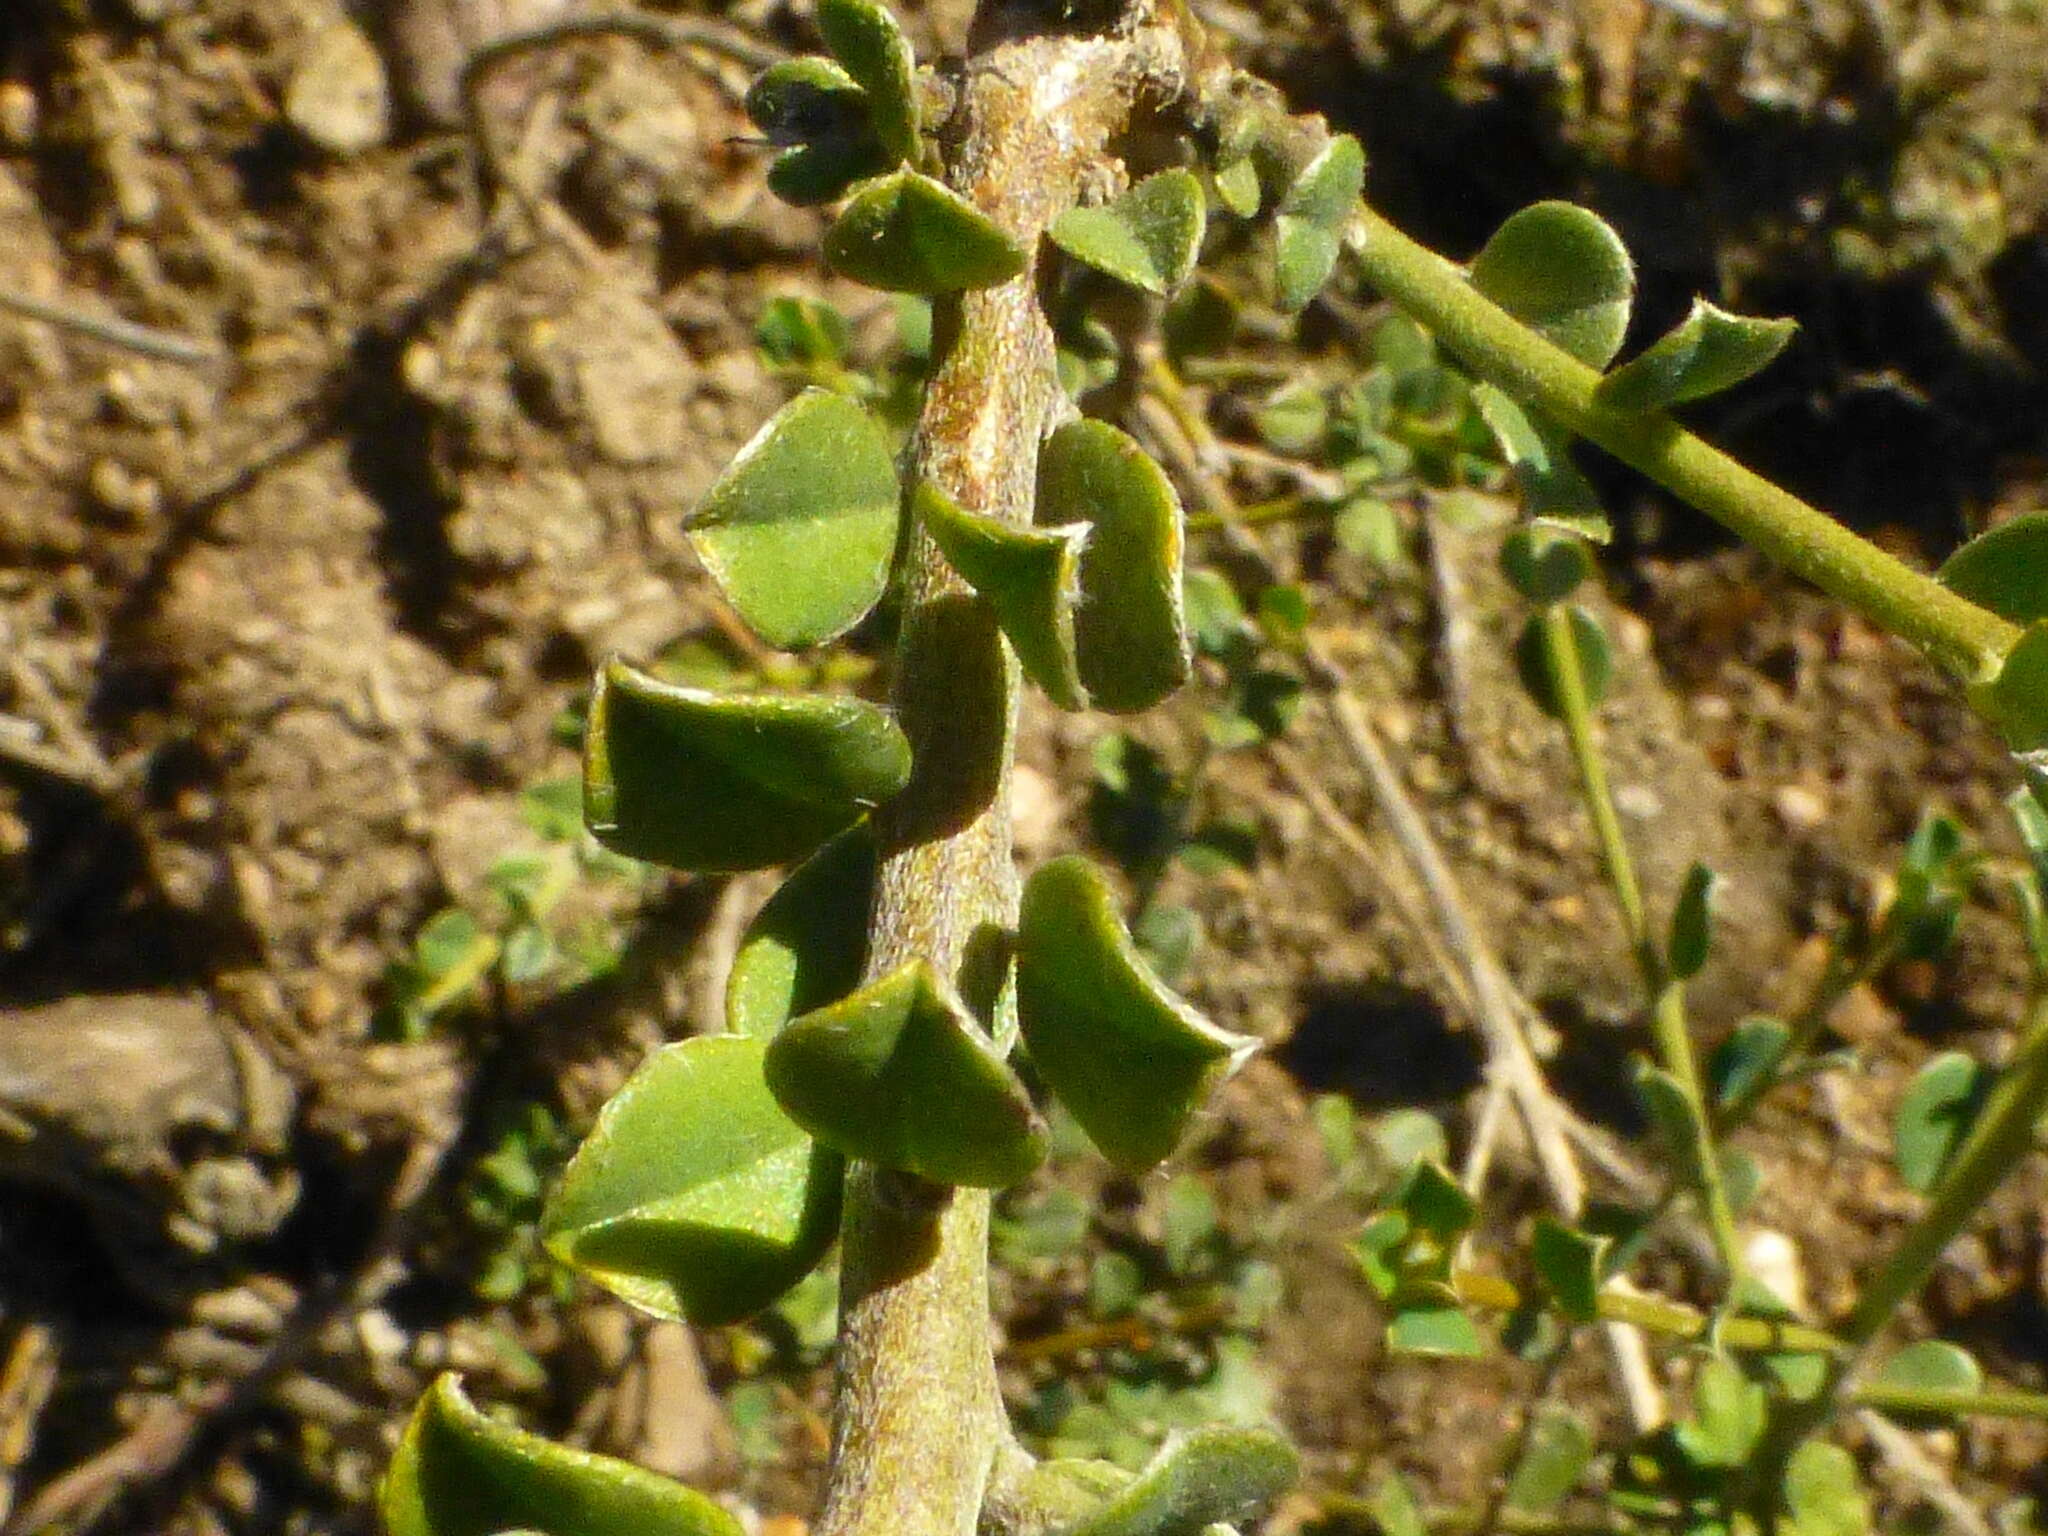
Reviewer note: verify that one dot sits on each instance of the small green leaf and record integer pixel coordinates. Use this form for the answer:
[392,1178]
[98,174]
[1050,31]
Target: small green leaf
[899,1074]
[1188,1225]
[1443,1331]
[800,529]
[1709,351]
[1030,577]
[1728,1416]
[1237,187]
[1932,1365]
[806,946]
[1293,419]
[1379,1249]
[1436,1203]
[1149,237]
[806,101]
[1219,1474]
[1533,660]
[1131,1061]
[1313,216]
[795,331]
[908,234]
[1822,1493]
[1545,564]
[694,1195]
[2005,570]
[2016,700]
[863,36]
[1568,1262]
[1692,924]
[1130,633]
[1753,1049]
[460,1473]
[812,175]
[1940,1105]
[1394,1506]
[1555,1457]
[1676,1120]
[1560,269]
[708,781]
[1551,487]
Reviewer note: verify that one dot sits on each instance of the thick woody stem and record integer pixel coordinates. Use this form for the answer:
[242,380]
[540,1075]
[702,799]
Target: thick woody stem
[918,1422]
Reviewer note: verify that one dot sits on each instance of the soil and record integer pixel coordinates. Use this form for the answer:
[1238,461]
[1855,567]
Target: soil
[296,591]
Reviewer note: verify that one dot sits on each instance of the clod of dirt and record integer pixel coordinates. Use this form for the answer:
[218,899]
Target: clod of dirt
[161,1118]
[432,40]
[338,96]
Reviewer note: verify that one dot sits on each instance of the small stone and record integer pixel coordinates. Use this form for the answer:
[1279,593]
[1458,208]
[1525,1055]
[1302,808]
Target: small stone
[1799,808]
[20,116]
[339,97]
[1773,1260]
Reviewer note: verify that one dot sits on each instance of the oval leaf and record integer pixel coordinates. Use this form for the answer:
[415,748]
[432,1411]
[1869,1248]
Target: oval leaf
[460,1473]
[806,101]
[1534,660]
[1709,351]
[710,781]
[1752,1050]
[1149,237]
[1822,1493]
[1552,488]
[2005,570]
[1219,1474]
[806,946]
[1441,1331]
[1940,1105]
[908,234]
[1568,1262]
[1561,270]
[1309,229]
[1932,1365]
[1030,577]
[1677,1122]
[1130,633]
[813,174]
[1546,565]
[899,1074]
[1692,924]
[1130,1060]
[694,1196]
[1729,1411]
[1554,1457]
[800,529]
[863,36]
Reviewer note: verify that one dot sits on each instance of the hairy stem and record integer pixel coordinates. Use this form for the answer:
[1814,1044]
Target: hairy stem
[918,1424]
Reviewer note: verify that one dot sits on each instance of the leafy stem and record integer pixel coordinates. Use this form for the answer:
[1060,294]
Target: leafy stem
[1967,641]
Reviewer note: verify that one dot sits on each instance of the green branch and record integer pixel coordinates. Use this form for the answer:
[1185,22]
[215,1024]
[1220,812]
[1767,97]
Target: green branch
[1964,639]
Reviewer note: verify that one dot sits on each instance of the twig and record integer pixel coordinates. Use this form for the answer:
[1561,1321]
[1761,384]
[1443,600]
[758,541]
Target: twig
[128,335]
[1902,1453]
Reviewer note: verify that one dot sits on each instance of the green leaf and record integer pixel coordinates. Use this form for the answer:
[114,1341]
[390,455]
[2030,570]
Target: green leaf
[1313,216]
[1533,661]
[1709,351]
[694,1196]
[1728,1416]
[899,1074]
[1692,924]
[908,234]
[800,529]
[863,36]
[2005,570]
[806,946]
[1293,419]
[1394,1506]
[1379,1249]
[1030,577]
[1130,633]
[708,781]
[1940,1105]
[1552,489]
[1130,1060]
[1676,1120]
[1237,187]
[1569,1264]
[1561,270]
[1219,1474]
[794,331]
[1822,1493]
[1932,1365]
[1436,1203]
[2016,700]
[459,1473]
[1443,1331]
[1554,1458]
[805,101]
[1148,237]
[811,175]
[1545,564]
[1753,1049]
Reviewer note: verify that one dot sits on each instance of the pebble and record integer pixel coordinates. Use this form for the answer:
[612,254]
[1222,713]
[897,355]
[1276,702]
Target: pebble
[339,97]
